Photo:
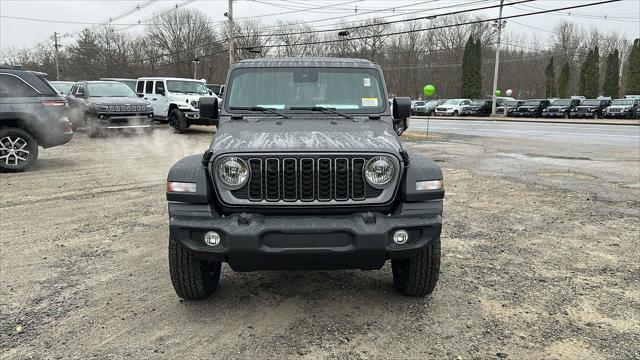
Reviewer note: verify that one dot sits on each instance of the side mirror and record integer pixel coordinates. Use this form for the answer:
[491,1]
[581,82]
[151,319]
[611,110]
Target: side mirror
[140,95]
[401,108]
[160,92]
[209,107]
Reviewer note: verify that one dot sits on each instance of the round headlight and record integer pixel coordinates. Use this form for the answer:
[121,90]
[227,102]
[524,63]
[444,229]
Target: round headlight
[380,171]
[233,172]
[194,104]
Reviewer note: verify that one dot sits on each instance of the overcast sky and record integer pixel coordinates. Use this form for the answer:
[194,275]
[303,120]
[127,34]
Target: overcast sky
[620,16]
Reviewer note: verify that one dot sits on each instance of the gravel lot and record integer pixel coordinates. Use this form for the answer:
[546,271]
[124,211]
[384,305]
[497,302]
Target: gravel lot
[540,240]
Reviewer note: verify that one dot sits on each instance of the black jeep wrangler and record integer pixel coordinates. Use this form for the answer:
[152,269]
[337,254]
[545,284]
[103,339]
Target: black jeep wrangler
[531,108]
[305,172]
[561,108]
[590,109]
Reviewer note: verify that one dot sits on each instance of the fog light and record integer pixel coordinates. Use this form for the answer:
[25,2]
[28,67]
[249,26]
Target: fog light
[212,238]
[400,237]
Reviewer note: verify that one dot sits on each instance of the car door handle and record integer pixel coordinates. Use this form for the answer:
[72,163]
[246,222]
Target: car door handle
[146,98]
[154,99]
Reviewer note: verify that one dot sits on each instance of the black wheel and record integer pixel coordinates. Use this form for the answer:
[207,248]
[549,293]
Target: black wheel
[18,149]
[455,113]
[566,115]
[92,128]
[418,275]
[192,279]
[178,121]
[432,113]
[595,116]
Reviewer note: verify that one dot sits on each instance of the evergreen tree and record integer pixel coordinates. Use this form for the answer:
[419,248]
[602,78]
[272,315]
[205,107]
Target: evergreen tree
[612,75]
[85,54]
[632,83]
[583,72]
[467,69]
[592,75]
[550,84]
[563,81]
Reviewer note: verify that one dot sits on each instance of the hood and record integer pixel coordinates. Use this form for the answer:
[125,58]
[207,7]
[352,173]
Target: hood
[176,97]
[305,135]
[586,107]
[118,101]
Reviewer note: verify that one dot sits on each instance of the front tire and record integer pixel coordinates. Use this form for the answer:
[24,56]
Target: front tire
[192,279]
[418,275]
[178,121]
[455,113]
[18,150]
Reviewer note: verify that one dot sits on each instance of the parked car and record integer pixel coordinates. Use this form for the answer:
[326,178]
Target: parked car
[217,89]
[103,106]
[531,108]
[419,107]
[432,105]
[32,114]
[452,107]
[479,107]
[508,107]
[561,108]
[304,186]
[175,100]
[591,108]
[627,108]
[62,87]
[131,83]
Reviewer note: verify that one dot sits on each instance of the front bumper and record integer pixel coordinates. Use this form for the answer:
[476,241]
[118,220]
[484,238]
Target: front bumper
[553,114]
[123,122]
[251,242]
[618,115]
[523,114]
[581,115]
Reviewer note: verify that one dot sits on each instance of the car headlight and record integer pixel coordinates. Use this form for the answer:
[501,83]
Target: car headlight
[194,104]
[380,171]
[233,172]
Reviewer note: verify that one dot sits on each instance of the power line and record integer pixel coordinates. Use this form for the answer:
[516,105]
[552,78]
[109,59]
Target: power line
[442,26]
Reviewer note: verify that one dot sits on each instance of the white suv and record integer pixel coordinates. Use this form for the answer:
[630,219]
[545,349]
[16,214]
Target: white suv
[175,100]
[452,107]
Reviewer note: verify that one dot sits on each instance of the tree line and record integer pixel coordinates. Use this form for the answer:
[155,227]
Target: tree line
[457,59]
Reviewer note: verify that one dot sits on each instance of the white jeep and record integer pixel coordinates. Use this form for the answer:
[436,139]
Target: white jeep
[175,100]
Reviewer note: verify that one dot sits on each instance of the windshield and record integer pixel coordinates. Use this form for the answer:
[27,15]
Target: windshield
[452,102]
[623,102]
[114,89]
[419,103]
[531,103]
[591,103]
[512,103]
[561,103]
[477,103]
[183,86]
[345,89]
[62,88]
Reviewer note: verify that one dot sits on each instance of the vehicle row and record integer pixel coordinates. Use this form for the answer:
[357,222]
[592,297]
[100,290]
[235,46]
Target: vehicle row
[574,107]
[133,104]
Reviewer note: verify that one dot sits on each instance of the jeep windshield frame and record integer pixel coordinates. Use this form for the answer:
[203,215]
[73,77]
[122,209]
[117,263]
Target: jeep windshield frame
[353,90]
[187,87]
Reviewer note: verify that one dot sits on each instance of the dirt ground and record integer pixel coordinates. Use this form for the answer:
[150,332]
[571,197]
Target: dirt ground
[540,260]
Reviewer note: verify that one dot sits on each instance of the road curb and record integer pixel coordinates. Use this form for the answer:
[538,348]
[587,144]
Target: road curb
[535,120]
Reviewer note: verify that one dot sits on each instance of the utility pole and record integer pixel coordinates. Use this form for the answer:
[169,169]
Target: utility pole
[195,62]
[56,46]
[232,40]
[500,24]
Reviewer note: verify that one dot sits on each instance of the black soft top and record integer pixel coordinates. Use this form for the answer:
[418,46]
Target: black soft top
[306,62]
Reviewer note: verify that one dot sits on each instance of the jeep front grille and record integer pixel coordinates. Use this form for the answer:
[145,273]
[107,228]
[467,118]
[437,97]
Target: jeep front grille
[307,179]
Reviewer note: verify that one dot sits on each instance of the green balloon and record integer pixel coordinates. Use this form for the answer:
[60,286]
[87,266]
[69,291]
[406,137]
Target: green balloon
[428,90]
[498,93]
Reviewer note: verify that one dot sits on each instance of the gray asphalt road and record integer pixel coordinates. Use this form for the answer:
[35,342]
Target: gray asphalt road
[621,135]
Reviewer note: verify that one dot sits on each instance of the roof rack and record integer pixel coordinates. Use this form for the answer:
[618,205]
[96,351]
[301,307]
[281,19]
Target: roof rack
[11,67]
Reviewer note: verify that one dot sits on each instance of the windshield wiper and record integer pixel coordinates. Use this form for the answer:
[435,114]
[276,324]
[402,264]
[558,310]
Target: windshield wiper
[321,109]
[260,109]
